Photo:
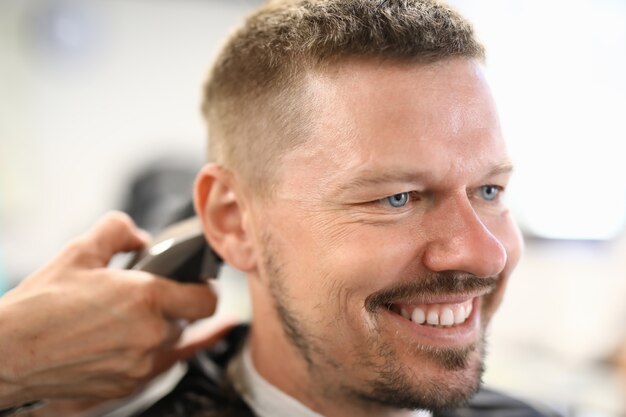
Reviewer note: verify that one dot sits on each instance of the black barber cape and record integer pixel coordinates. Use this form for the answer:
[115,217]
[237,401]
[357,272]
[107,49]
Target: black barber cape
[198,395]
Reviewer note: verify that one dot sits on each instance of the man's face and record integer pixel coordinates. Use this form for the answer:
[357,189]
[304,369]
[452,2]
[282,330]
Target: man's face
[388,244]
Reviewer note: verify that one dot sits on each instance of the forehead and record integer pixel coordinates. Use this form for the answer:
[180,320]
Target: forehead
[367,116]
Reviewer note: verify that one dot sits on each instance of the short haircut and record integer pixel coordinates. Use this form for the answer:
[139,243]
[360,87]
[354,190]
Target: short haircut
[254,99]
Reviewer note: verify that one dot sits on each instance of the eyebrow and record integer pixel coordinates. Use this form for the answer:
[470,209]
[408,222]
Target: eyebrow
[369,178]
[505,168]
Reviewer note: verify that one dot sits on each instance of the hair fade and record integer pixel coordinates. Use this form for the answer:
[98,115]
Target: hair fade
[253,99]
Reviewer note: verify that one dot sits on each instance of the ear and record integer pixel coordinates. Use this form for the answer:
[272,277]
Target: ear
[223,215]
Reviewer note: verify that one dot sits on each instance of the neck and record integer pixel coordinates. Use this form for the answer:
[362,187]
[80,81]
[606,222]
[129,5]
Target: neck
[276,359]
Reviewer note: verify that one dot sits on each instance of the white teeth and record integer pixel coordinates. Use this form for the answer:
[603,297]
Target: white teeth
[432,317]
[459,315]
[418,316]
[438,314]
[447,317]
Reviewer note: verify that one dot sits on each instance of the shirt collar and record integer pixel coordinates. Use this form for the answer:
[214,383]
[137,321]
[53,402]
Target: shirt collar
[264,398]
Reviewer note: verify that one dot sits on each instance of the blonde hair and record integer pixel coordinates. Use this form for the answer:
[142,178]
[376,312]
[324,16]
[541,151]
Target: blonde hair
[254,99]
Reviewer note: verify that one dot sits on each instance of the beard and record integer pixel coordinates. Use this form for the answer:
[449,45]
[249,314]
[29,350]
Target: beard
[395,384]
[395,387]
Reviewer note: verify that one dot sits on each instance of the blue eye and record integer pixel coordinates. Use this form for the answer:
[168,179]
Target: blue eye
[489,192]
[398,200]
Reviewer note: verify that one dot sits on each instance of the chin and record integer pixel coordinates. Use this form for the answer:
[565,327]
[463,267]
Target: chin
[430,379]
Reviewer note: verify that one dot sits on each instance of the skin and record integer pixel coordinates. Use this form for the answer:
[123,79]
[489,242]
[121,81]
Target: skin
[76,333]
[327,252]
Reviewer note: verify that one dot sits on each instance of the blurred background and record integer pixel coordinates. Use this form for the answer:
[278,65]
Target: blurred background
[99,109]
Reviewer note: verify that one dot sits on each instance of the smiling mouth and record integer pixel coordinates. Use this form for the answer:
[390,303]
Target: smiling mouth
[435,315]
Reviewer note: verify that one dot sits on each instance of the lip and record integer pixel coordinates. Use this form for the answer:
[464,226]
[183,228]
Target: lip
[460,335]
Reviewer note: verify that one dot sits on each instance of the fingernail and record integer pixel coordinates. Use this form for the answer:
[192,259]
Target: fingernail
[144,235]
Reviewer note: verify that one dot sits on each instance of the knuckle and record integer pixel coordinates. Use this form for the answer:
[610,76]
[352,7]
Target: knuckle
[155,335]
[79,251]
[121,365]
[76,248]
[150,337]
[142,290]
[118,223]
[141,370]
[118,219]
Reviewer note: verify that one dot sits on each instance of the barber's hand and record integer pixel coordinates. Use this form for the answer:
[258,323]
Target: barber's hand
[75,329]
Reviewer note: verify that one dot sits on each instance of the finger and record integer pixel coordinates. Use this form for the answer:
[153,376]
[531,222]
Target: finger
[215,332]
[114,232]
[65,407]
[206,332]
[185,301]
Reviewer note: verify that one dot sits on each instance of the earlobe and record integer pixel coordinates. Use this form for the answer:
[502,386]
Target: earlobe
[223,215]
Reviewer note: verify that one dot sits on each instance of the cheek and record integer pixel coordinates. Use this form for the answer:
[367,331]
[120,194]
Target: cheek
[368,257]
[339,264]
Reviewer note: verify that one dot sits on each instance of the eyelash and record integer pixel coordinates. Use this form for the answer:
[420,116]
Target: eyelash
[498,188]
[412,196]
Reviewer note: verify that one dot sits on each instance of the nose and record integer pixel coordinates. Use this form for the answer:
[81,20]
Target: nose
[458,240]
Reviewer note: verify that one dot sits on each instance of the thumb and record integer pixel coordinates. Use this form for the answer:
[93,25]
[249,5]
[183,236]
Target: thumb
[185,300]
[114,232]
[200,335]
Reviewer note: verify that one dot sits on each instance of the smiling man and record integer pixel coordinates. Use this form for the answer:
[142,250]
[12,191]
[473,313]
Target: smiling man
[357,176]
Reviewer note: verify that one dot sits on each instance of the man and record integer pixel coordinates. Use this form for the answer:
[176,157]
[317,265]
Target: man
[357,172]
